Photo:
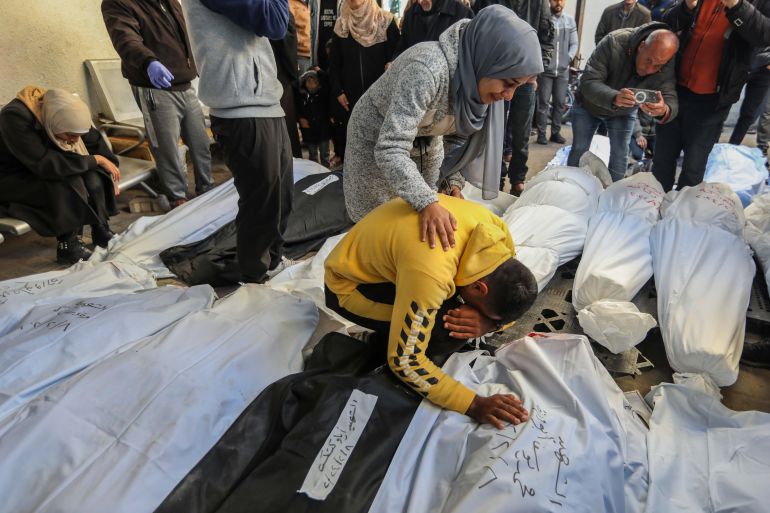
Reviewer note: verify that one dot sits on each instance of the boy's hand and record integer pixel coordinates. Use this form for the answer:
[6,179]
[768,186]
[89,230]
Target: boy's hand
[344,102]
[465,322]
[497,409]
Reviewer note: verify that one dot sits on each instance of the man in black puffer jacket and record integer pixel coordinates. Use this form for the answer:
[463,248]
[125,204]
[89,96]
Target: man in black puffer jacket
[717,38]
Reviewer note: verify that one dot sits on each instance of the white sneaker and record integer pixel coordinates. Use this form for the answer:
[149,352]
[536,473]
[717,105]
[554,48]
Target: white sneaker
[283,264]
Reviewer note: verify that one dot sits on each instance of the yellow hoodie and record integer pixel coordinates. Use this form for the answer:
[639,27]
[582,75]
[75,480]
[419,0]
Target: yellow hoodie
[385,247]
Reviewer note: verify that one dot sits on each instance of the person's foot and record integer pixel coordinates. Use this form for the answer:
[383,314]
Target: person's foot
[541,138]
[335,164]
[101,235]
[557,138]
[71,251]
[757,354]
[517,188]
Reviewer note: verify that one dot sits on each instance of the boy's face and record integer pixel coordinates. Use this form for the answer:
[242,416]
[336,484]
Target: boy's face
[311,84]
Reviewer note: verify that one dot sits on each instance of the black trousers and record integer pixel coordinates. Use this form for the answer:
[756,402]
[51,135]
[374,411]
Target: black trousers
[518,125]
[695,130]
[258,153]
[757,89]
[440,346]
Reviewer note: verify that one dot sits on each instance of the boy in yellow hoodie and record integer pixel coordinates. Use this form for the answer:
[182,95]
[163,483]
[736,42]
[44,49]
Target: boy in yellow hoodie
[382,277]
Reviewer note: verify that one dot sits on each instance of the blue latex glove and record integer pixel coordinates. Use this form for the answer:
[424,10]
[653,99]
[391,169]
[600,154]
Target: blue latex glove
[159,75]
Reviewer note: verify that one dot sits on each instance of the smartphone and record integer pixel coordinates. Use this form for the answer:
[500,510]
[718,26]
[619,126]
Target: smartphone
[645,96]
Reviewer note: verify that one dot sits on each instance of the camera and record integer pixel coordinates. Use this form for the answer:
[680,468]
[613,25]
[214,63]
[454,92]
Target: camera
[645,96]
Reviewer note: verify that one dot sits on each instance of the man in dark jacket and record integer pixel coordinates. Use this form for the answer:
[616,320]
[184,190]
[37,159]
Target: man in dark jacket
[640,58]
[552,83]
[717,37]
[754,100]
[151,38]
[626,14]
[521,108]
[425,20]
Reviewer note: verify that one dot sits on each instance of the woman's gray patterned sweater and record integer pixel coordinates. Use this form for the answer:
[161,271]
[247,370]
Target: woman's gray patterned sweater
[412,99]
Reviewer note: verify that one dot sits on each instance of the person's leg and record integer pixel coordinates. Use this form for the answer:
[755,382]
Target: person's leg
[753,101]
[584,126]
[519,125]
[256,151]
[669,142]
[197,140]
[506,134]
[619,130]
[636,151]
[163,112]
[701,131]
[324,148]
[312,150]
[272,130]
[544,89]
[763,126]
[559,98]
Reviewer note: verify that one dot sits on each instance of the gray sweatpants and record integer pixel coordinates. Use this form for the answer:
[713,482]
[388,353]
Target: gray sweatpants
[167,115]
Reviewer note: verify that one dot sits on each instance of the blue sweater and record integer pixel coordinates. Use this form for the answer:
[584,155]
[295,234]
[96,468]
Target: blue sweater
[267,18]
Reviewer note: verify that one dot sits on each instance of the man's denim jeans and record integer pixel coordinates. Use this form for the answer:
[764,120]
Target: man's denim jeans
[619,130]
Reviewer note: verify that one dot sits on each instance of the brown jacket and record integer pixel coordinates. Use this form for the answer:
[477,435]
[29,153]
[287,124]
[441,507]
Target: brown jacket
[147,30]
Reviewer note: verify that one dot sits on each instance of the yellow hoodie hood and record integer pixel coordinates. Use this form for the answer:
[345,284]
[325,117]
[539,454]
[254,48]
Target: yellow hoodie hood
[487,248]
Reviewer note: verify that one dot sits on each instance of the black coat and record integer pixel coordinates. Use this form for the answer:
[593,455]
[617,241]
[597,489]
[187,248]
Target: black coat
[54,191]
[418,25]
[750,28]
[143,31]
[315,108]
[353,68]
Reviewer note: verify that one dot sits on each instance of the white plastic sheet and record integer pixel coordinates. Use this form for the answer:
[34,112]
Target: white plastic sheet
[600,146]
[581,450]
[85,279]
[740,167]
[119,436]
[758,231]
[54,342]
[617,262]
[550,220]
[497,205]
[705,458]
[703,275]
[144,240]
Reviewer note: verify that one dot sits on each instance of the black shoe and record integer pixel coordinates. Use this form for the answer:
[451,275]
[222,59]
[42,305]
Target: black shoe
[101,235]
[557,138]
[71,251]
[541,139]
[757,354]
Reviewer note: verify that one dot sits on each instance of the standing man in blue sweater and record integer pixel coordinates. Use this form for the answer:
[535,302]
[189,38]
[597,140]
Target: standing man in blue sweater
[239,83]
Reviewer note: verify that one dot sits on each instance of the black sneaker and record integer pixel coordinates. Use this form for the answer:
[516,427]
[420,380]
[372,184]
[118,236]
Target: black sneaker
[557,138]
[757,354]
[541,139]
[71,251]
[101,235]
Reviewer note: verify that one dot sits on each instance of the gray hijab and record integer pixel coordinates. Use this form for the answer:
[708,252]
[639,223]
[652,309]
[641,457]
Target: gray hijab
[495,44]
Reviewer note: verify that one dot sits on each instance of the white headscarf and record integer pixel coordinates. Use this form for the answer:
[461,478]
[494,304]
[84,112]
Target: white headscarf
[63,112]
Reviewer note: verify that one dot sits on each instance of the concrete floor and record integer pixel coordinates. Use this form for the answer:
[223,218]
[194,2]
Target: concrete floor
[31,254]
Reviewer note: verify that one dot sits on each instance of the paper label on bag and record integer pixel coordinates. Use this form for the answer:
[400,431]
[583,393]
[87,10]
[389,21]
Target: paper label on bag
[310,191]
[339,445]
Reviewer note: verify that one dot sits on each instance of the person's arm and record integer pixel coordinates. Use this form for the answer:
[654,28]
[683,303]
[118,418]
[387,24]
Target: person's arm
[601,29]
[750,23]
[573,39]
[336,67]
[405,34]
[414,90]
[265,18]
[393,36]
[96,145]
[678,17]
[35,154]
[593,81]
[124,31]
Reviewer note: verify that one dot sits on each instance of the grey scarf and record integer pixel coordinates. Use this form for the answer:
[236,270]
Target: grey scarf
[494,44]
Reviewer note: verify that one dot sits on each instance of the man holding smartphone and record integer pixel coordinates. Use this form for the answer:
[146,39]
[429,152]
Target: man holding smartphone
[630,70]
[717,41]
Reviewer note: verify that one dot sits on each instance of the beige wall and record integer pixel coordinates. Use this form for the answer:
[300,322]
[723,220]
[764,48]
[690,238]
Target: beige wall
[44,42]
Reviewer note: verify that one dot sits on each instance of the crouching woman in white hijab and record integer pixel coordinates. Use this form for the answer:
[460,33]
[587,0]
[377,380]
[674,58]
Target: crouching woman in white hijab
[453,86]
[56,172]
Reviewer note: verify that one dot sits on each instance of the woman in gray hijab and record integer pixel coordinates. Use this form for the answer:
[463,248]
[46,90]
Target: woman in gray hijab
[453,86]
